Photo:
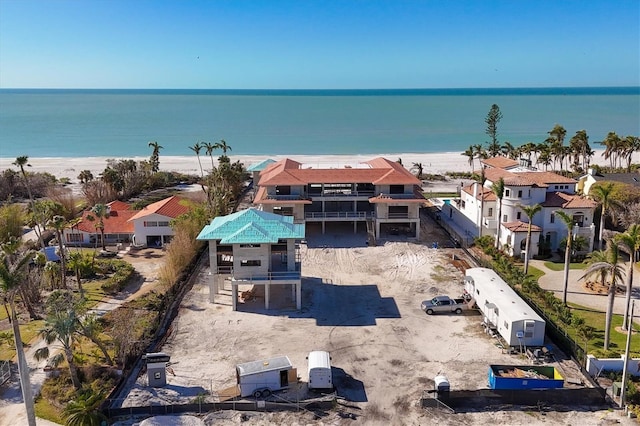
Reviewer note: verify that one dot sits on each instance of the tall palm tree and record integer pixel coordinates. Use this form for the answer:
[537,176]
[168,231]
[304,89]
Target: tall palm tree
[602,194]
[568,221]
[223,146]
[197,148]
[101,212]
[155,156]
[209,148]
[91,327]
[61,326]
[21,162]
[530,211]
[498,189]
[13,265]
[606,265]
[629,242]
[419,168]
[58,223]
[471,156]
[76,262]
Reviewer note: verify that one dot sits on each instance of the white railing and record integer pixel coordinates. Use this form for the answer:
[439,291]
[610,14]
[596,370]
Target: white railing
[339,215]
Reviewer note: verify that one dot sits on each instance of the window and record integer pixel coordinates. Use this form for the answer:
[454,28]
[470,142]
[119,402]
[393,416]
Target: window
[553,218]
[396,189]
[490,212]
[463,204]
[250,263]
[165,223]
[520,193]
[507,192]
[505,218]
[74,238]
[506,325]
[150,224]
[518,215]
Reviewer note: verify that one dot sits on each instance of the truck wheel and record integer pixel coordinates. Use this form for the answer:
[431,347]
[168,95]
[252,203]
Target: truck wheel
[266,393]
[429,311]
[458,311]
[257,393]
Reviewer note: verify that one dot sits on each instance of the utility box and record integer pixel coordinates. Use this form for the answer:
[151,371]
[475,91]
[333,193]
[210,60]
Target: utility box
[320,370]
[157,369]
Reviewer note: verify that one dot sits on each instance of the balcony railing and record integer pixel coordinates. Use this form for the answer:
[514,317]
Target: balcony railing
[398,216]
[295,197]
[262,276]
[339,215]
[344,193]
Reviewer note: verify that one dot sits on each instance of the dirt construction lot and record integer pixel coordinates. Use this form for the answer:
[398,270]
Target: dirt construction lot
[362,304]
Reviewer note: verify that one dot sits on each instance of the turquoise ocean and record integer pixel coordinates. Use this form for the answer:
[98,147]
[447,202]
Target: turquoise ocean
[120,123]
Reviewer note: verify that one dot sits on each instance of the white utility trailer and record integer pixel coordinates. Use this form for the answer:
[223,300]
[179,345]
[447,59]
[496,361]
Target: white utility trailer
[503,310]
[320,370]
[260,378]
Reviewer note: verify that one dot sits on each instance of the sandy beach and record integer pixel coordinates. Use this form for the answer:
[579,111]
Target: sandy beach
[433,163]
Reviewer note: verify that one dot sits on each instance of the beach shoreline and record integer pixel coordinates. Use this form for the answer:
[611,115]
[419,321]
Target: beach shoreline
[432,163]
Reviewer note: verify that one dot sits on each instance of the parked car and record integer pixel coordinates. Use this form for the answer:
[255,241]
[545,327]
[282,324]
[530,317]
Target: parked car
[444,304]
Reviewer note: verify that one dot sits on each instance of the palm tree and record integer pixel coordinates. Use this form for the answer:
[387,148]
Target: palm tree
[101,211]
[12,267]
[602,194]
[630,243]
[85,410]
[530,211]
[568,221]
[20,162]
[210,147]
[58,224]
[498,189]
[223,146]
[155,156]
[418,167]
[605,265]
[196,148]
[76,262]
[471,156]
[85,176]
[61,326]
[91,327]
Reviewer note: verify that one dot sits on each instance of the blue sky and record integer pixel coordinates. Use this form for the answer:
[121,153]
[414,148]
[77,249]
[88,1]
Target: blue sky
[300,44]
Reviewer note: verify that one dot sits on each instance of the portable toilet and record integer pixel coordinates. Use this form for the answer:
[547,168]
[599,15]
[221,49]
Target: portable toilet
[157,368]
[320,370]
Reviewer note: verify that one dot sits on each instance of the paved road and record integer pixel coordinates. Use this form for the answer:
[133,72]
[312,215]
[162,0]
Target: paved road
[554,281]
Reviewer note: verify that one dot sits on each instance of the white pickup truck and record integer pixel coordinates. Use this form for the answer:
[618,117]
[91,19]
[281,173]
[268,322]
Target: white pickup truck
[444,304]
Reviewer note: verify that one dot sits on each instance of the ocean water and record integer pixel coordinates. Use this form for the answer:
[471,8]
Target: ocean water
[120,123]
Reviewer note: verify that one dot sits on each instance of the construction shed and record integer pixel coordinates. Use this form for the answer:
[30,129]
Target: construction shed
[261,378]
[503,310]
[524,377]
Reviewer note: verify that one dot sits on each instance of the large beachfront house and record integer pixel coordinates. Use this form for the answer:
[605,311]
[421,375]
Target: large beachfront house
[147,227]
[476,211]
[252,247]
[379,195]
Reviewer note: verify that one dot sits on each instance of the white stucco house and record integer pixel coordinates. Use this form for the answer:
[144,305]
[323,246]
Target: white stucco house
[476,211]
[147,227]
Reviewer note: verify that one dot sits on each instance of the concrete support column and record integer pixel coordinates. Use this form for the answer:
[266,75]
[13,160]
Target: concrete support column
[212,287]
[234,296]
[355,226]
[417,229]
[323,226]
[267,291]
[377,229]
[291,255]
[299,295]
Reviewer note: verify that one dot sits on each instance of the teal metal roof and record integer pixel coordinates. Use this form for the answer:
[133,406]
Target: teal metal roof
[260,166]
[252,226]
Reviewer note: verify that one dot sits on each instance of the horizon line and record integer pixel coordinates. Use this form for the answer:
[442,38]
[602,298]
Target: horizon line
[324,89]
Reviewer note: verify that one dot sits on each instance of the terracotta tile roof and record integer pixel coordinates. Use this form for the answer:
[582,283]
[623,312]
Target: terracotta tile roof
[488,193]
[568,201]
[380,172]
[499,162]
[171,207]
[118,205]
[116,223]
[538,179]
[519,226]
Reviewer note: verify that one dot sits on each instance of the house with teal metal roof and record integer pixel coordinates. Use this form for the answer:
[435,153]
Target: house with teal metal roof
[257,248]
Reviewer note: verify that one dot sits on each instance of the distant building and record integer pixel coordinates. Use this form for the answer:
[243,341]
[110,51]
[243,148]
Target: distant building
[147,227]
[585,182]
[379,195]
[477,209]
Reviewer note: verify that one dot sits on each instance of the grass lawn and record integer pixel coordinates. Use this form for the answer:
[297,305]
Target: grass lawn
[535,272]
[618,339]
[45,410]
[559,266]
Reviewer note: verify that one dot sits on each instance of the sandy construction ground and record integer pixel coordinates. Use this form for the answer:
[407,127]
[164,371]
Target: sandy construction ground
[362,305]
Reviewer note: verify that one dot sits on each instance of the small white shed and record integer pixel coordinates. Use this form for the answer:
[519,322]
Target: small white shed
[320,370]
[260,378]
[503,309]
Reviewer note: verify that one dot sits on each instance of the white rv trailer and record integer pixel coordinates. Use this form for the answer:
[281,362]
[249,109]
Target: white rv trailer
[319,370]
[503,309]
[260,378]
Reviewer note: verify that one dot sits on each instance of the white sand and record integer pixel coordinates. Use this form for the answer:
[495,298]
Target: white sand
[434,163]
